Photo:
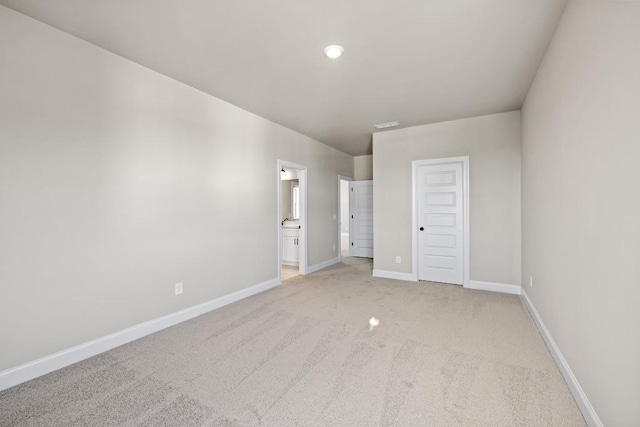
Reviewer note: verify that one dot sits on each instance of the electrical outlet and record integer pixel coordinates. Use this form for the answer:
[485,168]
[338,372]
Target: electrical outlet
[398,260]
[178,288]
[335,217]
[334,248]
[531,282]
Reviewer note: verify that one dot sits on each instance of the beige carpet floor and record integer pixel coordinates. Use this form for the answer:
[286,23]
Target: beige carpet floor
[303,354]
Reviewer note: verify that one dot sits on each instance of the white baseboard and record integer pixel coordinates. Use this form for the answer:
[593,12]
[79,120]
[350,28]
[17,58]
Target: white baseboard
[318,267]
[290,263]
[394,275]
[30,370]
[504,288]
[588,412]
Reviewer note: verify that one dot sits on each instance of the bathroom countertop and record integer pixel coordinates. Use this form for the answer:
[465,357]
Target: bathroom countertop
[291,224]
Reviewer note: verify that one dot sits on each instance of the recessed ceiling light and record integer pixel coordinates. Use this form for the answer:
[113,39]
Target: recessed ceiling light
[334,51]
[386,125]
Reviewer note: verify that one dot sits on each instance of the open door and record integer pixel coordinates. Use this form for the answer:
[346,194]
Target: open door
[361,221]
[291,219]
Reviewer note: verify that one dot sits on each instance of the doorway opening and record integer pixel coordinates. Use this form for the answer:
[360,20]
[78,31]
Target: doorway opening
[292,220]
[343,224]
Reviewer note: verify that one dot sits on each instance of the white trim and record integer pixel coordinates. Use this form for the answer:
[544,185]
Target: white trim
[414,212]
[588,412]
[339,217]
[318,267]
[30,370]
[408,277]
[303,260]
[504,288]
[290,263]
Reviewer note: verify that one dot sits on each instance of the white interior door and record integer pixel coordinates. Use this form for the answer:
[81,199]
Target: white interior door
[361,221]
[441,205]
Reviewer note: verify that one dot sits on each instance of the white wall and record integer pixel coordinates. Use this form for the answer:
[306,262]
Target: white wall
[581,209]
[363,167]
[117,182]
[493,144]
[289,174]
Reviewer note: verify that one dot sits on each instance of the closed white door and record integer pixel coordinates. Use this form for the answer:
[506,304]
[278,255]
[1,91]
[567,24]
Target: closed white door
[441,223]
[361,221]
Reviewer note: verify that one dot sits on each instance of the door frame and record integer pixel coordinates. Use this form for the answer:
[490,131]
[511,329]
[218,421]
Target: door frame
[303,262]
[466,212]
[339,244]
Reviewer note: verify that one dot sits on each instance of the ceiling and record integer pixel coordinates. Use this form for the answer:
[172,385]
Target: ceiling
[414,61]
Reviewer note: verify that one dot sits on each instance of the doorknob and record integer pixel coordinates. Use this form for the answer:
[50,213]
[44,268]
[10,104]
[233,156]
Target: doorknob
[421,228]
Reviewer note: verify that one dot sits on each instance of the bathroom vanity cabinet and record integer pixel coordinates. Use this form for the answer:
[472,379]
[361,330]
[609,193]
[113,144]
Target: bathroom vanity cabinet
[290,246]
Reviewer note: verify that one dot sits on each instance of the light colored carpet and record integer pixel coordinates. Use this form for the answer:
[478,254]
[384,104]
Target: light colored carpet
[303,354]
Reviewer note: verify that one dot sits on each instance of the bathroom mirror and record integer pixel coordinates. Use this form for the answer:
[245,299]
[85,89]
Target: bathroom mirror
[295,201]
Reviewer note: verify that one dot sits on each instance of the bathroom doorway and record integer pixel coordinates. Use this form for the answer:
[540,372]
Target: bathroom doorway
[343,224]
[292,220]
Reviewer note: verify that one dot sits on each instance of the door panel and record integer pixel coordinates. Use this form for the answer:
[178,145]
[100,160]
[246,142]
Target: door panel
[361,221]
[440,218]
[290,249]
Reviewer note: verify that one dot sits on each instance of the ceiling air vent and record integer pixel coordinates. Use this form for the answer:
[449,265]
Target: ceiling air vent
[386,125]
